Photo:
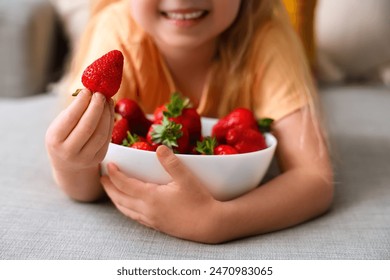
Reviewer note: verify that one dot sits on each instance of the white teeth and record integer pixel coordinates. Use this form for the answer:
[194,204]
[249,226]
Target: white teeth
[184,16]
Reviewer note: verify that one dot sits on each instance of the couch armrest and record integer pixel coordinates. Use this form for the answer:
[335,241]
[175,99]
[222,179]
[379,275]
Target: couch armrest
[27,29]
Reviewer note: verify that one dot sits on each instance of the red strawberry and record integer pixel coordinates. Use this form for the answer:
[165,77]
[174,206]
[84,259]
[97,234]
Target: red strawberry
[158,113]
[191,119]
[224,149]
[130,110]
[143,146]
[180,111]
[104,75]
[209,146]
[171,134]
[119,132]
[137,142]
[245,140]
[240,116]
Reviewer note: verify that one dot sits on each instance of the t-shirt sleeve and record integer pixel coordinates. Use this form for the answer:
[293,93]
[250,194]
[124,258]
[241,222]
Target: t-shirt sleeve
[283,83]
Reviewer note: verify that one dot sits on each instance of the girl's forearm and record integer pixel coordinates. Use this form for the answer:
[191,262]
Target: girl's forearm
[289,199]
[81,185]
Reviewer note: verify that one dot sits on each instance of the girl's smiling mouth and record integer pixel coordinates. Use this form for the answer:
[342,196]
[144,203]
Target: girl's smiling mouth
[186,17]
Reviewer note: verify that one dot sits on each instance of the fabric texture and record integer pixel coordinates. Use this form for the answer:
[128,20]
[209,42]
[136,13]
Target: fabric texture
[39,222]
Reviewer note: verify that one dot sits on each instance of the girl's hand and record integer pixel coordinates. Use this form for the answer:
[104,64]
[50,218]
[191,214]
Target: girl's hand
[78,138]
[183,208]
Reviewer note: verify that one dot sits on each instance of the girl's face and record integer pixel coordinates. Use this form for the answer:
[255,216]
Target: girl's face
[184,23]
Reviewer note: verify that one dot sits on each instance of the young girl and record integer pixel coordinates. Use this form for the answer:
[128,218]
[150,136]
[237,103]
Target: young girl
[244,54]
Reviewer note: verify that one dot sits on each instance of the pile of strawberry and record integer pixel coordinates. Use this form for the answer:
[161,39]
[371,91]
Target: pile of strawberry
[177,125]
[237,133]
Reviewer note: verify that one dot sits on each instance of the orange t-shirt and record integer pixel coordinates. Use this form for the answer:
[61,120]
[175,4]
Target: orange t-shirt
[276,91]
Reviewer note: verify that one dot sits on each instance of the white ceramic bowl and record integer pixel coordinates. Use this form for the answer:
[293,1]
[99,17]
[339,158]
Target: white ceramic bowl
[226,176]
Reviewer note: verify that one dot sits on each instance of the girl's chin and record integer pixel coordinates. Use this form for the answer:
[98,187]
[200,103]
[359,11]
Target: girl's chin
[184,23]
[182,44]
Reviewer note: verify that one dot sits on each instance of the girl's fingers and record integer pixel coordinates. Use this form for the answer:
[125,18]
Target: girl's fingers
[171,163]
[123,200]
[88,123]
[129,186]
[134,215]
[69,118]
[98,142]
[112,119]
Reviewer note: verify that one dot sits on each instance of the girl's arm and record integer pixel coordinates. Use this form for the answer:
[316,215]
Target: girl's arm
[77,141]
[302,191]
[185,209]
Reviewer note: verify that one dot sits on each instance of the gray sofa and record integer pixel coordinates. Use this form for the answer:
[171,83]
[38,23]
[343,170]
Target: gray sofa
[39,222]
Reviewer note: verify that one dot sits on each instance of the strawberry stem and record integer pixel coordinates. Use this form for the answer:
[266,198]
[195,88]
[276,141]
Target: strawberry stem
[76,92]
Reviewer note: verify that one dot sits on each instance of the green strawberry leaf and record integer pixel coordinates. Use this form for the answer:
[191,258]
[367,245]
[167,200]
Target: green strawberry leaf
[264,124]
[166,133]
[206,146]
[176,105]
[130,139]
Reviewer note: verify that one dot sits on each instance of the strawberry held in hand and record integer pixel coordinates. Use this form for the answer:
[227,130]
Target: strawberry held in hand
[104,75]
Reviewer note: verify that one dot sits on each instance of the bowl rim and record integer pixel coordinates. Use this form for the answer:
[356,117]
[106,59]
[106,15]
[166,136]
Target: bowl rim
[270,138]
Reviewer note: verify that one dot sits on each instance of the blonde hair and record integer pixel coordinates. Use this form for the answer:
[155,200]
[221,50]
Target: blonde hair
[233,72]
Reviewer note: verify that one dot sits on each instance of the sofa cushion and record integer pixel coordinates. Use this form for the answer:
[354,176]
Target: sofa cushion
[353,40]
[27,31]
[73,16]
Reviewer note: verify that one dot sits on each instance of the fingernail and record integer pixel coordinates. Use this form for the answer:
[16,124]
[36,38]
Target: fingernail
[99,97]
[78,92]
[163,151]
[111,167]
[86,91]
